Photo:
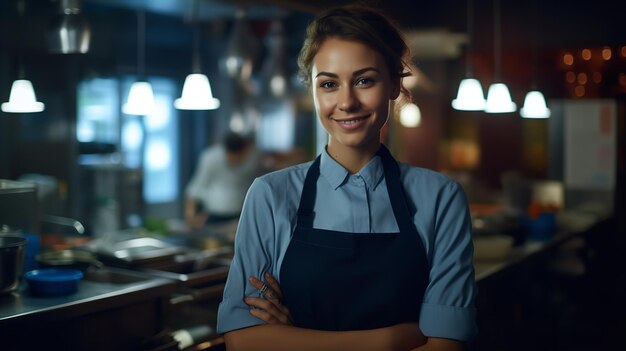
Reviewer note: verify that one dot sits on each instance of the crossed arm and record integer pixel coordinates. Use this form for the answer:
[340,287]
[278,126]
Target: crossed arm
[279,334]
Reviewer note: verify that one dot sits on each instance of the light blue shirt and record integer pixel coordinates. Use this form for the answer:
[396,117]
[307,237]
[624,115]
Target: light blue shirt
[359,203]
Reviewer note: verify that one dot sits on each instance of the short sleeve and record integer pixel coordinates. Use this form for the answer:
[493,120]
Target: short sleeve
[448,309]
[253,239]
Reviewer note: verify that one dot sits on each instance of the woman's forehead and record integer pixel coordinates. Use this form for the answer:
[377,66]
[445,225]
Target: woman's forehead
[340,56]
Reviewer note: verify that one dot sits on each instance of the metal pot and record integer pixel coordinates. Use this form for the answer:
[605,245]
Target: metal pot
[11,262]
[74,259]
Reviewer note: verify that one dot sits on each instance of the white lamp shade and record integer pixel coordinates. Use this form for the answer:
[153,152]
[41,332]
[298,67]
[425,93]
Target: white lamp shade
[140,99]
[535,106]
[499,99]
[410,115]
[197,94]
[470,96]
[22,98]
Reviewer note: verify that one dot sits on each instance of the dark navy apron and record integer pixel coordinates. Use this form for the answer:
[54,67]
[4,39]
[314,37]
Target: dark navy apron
[335,280]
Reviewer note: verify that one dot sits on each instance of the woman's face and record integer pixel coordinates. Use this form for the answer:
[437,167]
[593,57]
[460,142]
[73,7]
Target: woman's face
[352,90]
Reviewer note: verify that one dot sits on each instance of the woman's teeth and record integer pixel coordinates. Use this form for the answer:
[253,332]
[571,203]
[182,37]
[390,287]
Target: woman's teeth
[351,121]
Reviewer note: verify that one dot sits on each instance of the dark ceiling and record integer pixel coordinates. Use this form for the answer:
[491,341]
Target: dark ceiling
[542,23]
[560,23]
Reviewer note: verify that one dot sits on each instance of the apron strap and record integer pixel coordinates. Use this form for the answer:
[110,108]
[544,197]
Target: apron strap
[307,199]
[394,188]
[396,191]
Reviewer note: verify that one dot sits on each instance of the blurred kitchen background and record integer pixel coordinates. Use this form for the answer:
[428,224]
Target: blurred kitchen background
[532,173]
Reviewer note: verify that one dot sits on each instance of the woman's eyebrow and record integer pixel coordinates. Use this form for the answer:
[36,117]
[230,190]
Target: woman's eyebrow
[363,70]
[355,73]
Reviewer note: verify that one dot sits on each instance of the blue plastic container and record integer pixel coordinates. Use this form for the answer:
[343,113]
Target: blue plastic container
[53,281]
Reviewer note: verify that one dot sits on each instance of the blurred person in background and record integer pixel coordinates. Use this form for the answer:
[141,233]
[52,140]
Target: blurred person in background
[219,184]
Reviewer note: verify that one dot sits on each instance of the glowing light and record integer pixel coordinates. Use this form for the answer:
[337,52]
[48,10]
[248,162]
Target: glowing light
[582,78]
[410,116]
[570,77]
[623,51]
[470,96]
[197,94]
[607,53]
[278,85]
[22,98]
[622,79]
[568,59]
[158,155]
[132,135]
[535,106]
[140,99]
[579,91]
[586,54]
[499,99]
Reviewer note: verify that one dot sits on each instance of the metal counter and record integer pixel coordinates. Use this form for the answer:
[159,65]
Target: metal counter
[113,309]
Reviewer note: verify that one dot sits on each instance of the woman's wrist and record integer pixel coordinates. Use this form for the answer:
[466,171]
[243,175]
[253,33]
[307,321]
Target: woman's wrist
[404,336]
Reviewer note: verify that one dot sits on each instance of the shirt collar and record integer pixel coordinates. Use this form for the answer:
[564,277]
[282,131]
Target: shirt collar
[372,173]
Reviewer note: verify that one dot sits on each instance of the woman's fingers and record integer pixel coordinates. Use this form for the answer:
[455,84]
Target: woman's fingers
[266,290]
[272,304]
[267,311]
[273,283]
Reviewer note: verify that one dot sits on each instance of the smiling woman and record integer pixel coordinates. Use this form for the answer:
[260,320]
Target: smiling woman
[353,250]
[352,93]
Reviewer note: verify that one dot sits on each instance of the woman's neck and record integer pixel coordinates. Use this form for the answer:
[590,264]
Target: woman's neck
[352,158]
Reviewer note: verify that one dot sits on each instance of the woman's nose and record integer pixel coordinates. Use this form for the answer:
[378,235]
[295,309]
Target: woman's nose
[348,100]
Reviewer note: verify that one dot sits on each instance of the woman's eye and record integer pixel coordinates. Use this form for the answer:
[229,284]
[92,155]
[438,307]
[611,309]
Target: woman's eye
[364,81]
[327,85]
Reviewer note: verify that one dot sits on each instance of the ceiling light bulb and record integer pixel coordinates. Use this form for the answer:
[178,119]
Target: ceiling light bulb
[535,106]
[22,98]
[470,96]
[140,99]
[499,99]
[197,94]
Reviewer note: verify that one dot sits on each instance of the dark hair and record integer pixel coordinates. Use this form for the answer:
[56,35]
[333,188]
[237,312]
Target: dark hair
[234,142]
[357,23]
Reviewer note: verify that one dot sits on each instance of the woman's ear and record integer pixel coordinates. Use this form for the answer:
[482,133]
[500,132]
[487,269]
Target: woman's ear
[396,84]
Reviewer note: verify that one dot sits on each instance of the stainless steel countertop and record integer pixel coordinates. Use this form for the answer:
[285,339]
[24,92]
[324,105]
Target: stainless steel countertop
[104,289]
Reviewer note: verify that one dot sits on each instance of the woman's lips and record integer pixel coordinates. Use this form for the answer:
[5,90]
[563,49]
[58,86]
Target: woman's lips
[351,123]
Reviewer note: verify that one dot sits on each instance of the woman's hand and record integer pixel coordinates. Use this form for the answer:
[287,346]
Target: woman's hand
[269,308]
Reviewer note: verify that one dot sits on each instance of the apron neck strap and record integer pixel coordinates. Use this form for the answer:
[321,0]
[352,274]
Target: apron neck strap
[396,191]
[394,188]
[307,199]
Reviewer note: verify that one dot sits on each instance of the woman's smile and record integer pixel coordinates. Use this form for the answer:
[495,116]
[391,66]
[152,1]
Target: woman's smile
[351,123]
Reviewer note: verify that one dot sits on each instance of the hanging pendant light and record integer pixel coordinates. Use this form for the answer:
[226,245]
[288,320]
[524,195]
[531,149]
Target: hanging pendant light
[535,106]
[470,95]
[274,71]
[534,102]
[498,96]
[22,98]
[140,98]
[499,99]
[69,31]
[197,93]
[242,49]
